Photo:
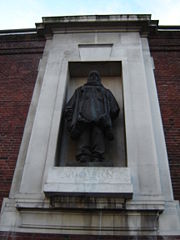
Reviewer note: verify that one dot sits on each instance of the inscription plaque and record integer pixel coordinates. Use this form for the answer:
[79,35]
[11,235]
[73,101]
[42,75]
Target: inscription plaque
[92,181]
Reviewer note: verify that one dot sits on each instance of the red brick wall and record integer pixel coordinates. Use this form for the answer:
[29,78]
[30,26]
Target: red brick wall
[19,58]
[165,50]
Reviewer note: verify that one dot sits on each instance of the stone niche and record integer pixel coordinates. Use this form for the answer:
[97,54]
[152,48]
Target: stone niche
[111,77]
[110,178]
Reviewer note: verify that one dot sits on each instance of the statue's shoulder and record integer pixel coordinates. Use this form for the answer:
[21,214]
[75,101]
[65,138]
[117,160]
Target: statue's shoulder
[107,90]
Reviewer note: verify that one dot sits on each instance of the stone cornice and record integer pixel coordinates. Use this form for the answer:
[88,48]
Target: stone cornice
[89,23]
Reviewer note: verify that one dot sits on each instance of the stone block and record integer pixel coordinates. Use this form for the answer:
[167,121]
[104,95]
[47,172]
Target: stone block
[89,181]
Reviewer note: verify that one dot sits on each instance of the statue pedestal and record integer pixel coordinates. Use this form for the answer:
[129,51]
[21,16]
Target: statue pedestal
[89,181]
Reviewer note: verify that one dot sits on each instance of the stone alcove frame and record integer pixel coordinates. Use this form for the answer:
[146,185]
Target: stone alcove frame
[132,51]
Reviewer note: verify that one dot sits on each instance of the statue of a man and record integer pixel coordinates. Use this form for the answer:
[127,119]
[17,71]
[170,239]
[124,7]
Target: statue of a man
[89,115]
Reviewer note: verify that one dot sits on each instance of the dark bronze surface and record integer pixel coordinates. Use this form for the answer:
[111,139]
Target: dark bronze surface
[89,115]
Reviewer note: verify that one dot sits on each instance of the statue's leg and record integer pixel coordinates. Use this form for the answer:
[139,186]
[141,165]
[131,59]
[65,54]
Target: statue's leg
[83,147]
[97,144]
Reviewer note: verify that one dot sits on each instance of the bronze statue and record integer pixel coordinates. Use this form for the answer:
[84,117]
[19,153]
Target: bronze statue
[89,115]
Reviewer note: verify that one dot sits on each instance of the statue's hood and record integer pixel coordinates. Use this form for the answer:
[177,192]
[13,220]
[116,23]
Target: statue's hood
[94,79]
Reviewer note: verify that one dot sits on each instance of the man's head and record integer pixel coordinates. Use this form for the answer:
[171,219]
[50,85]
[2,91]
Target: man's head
[94,76]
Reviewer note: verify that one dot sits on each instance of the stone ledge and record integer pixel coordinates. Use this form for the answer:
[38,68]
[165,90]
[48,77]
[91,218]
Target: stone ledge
[31,218]
[65,202]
